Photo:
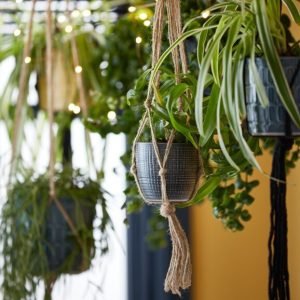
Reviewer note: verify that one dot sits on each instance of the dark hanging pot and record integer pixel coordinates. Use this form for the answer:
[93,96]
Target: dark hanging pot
[275,121]
[271,120]
[63,253]
[183,171]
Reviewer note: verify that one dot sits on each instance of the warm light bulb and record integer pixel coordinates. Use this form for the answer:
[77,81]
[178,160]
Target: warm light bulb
[17,32]
[147,23]
[75,13]
[131,9]
[68,28]
[74,108]
[143,16]
[86,13]
[138,40]
[111,115]
[78,69]
[27,60]
[61,19]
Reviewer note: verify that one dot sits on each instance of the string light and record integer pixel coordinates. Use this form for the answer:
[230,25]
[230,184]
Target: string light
[75,13]
[111,115]
[61,19]
[143,16]
[86,13]
[147,23]
[69,28]
[205,14]
[17,32]
[78,69]
[138,40]
[27,60]
[74,108]
[131,9]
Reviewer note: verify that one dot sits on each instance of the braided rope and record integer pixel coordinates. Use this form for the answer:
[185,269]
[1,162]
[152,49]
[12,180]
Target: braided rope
[19,116]
[180,269]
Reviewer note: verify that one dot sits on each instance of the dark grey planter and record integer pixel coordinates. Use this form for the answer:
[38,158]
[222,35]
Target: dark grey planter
[183,171]
[64,254]
[272,120]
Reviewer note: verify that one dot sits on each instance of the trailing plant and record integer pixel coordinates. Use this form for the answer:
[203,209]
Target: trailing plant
[29,247]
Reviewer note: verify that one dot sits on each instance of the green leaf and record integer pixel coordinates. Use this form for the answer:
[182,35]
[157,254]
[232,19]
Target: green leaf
[205,190]
[204,68]
[209,124]
[273,62]
[221,142]
[260,88]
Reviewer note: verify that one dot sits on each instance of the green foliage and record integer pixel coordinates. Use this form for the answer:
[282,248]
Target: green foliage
[24,226]
[119,61]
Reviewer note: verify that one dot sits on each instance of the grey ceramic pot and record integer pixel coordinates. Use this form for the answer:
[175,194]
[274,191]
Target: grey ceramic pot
[64,255]
[272,120]
[183,171]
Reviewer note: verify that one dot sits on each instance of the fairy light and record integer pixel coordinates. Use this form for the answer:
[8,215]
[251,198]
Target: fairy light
[138,40]
[131,9]
[17,32]
[111,115]
[143,16]
[27,60]
[86,13]
[147,23]
[205,14]
[61,19]
[69,28]
[74,108]
[78,69]
[75,13]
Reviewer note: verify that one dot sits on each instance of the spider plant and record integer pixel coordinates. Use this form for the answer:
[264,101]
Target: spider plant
[228,33]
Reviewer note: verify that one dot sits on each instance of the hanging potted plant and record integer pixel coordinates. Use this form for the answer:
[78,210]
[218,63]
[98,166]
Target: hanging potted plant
[43,238]
[239,49]
[231,37]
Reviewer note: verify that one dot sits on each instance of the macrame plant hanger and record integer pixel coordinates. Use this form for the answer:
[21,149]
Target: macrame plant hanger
[180,269]
[50,110]
[278,237]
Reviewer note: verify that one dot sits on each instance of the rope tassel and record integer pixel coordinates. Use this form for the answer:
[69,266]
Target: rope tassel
[180,269]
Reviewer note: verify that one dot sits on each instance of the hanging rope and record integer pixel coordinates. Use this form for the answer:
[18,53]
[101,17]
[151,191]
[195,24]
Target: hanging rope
[278,238]
[19,116]
[81,89]
[179,273]
[278,246]
[50,109]
[49,80]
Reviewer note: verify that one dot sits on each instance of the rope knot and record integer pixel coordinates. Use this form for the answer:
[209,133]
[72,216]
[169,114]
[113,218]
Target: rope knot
[133,169]
[162,172]
[148,104]
[167,209]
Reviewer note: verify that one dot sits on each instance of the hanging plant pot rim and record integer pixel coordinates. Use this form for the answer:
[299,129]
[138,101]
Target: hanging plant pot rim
[270,121]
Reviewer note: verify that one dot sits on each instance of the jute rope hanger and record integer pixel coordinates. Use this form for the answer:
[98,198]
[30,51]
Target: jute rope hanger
[179,273]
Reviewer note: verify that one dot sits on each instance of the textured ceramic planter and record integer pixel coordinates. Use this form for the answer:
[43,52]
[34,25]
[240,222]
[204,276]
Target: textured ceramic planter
[183,171]
[61,247]
[270,121]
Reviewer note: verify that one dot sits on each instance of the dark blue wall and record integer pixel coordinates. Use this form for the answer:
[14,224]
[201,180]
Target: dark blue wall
[147,268]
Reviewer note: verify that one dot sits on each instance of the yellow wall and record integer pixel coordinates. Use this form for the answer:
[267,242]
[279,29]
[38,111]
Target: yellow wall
[233,266]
